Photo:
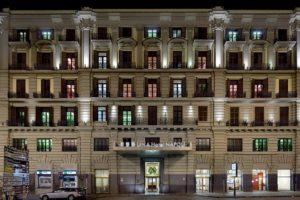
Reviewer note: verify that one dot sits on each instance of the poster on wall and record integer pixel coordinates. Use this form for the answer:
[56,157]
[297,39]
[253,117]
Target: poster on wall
[16,172]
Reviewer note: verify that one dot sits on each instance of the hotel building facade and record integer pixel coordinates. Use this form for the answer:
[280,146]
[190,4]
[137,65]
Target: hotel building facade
[152,100]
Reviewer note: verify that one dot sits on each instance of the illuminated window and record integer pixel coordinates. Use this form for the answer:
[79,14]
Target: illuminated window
[102,60]
[152,33]
[46,35]
[258,90]
[260,144]
[257,35]
[152,60]
[70,90]
[126,117]
[127,90]
[152,90]
[20,143]
[45,116]
[285,144]
[202,144]
[233,88]
[22,36]
[102,88]
[71,63]
[176,32]
[232,36]
[69,144]
[102,114]
[70,116]
[202,62]
[44,144]
[177,88]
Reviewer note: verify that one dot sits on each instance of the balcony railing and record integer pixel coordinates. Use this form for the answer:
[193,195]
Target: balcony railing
[127,65]
[43,95]
[17,123]
[65,95]
[235,67]
[66,123]
[126,94]
[68,67]
[260,67]
[178,95]
[286,94]
[17,95]
[177,65]
[95,93]
[238,38]
[40,123]
[204,94]
[19,66]
[157,66]
[261,94]
[236,95]
[285,67]
[203,67]
[157,94]
[262,123]
[97,66]
[43,66]
[287,123]
[17,38]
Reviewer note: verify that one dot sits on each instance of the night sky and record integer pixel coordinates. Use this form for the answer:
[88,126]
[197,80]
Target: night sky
[77,4]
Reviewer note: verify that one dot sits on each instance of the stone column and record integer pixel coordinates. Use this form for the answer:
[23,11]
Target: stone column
[295,22]
[164,50]
[218,18]
[190,54]
[114,49]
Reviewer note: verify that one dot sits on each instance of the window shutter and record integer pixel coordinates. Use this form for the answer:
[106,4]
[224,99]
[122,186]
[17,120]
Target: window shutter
[252,87]
[146,59]
[252,59]
[196,59]
[75,85]
[158,32]
[63,89]
[209,84]
[38,115]
[196,32]
[121,59]
[145,32]
[133,114]
[183,32]
[107,87]
[158,59]
[95,113]
[184,92]
[277,59]
[132,85]
[76,59]
[120,87]
[95,86]
[14,58]
[120,113]
[23,58]
[208,58]
[63,115]
[107,114]
[146,87]
[120,32]
[240,87]
[64,60]
[26,115]
[51,115]
[108,58]
[265,85]
[158,87]
[171,87]
[76,115]
[39,58]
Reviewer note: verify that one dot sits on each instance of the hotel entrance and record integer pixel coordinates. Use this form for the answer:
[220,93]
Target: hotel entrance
[152,177]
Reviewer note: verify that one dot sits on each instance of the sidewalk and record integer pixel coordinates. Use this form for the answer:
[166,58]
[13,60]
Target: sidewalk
[253,194]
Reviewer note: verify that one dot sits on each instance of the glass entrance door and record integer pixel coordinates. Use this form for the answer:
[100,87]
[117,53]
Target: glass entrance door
[202,180]
[152,177]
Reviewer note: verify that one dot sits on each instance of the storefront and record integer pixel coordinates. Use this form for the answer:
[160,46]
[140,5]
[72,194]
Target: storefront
[258,180]
[70,179]
[44,179]
[202,180]
[284,179]
[230,180]
[102,180]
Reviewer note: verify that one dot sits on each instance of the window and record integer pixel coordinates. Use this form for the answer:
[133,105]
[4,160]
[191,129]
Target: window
[127,142]
[177,59]
[152,141]
[152,88]
[152,60]
[71,61]
[202,144]
[70,34]
[284,116]
[45,88]
[45,116]
[102,180]
[258,90]
[44,144]
[234,116]
[201,33]
[282,58]
[101,144]
[102,88]
[233,89]
[70,116]
[102,114]
[126,32]
[177,141]
[152,33]
[285,144]
[21,59]
[20,143]
[69,144]
[202,113]
[46,35]
[202,60]
[233,59]
[176,32]
[127,88]
[177,115]
[102,60]
[177,88]
[126,117]
[22,36]
[257,35]
[125,59]
[282,34]
[257,60]
[21,88]
[234,144]
[260,144]
[259,116]
[232,36]
[102,33]
[70,90]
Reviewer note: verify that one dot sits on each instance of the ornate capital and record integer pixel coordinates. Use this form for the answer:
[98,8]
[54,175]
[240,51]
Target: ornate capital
[85,18]
[2,19]
[218,17]
[295,21]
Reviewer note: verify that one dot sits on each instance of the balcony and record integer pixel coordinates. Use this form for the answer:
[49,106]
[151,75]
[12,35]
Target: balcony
[175,65]
[95,93]
[285,67]
[261,94]
[65,123]
[39,123]
[97,36]
[43,66]
[152,149]
[68,42]
[292,94]
[16,41]
[206,42]
[43,95]
[204,94]
[235,67]
[67,67]
[126,65]
[262,123]
[101,41]
[106,66]
[178,95]
[69,96]
[17,95]
[19,66]
[236,95]
[126,94]
[152,67]
[17,123]
[260,67]
[153,95]
[286,123]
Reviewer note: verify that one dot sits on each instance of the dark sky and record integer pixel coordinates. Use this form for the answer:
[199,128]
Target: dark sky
[77,4]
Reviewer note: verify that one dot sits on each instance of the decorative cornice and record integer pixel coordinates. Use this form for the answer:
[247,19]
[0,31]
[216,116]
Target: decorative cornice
[218,17]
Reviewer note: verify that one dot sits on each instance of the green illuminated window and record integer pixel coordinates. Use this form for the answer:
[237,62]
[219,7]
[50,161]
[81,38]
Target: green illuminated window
[232,36]
[285,144]
[152,33]
[44,144]
[127,118]
[46,35]
[70,118]
[45,118]
[260,144]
